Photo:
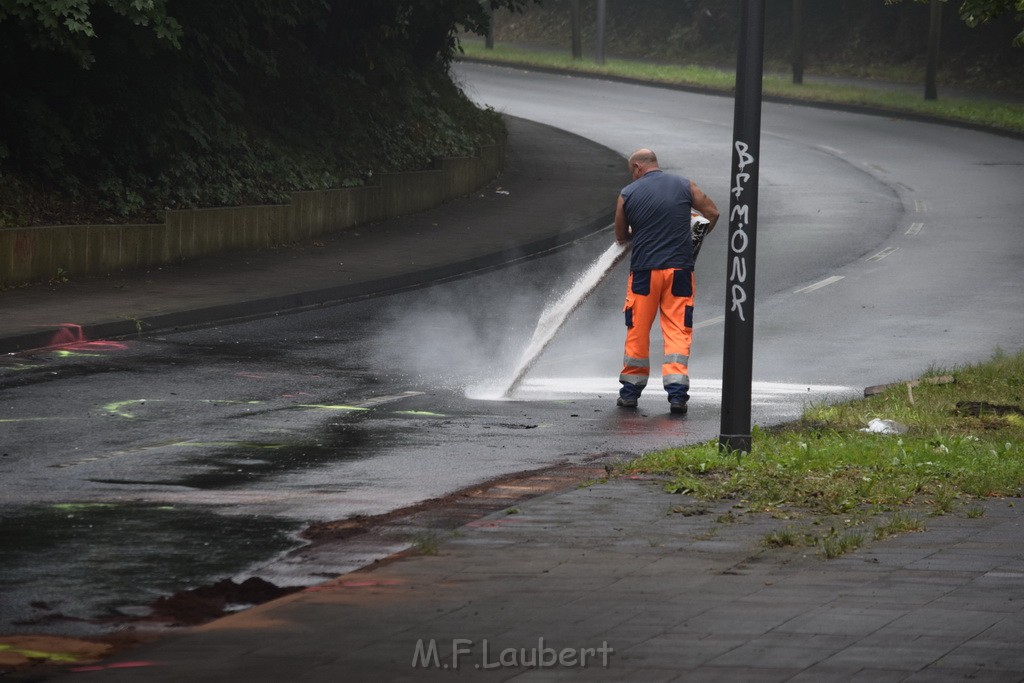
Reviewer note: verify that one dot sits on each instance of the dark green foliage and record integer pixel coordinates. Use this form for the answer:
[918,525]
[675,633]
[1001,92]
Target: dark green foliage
[847,36]
[197,103]
[68,26]
[977,12]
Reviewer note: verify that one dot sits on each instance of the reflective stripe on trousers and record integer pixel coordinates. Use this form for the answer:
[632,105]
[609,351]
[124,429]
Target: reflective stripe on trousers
[670,292]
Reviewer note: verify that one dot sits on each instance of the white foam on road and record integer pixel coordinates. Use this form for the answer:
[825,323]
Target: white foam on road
[565,388]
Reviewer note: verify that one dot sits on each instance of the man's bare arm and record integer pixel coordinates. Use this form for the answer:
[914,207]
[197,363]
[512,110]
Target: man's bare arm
[701,202]
[622,234]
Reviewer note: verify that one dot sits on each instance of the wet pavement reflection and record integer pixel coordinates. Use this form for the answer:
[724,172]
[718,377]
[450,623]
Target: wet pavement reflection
[69,567]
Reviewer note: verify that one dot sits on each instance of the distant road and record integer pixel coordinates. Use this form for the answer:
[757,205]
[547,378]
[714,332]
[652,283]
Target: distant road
[885,247]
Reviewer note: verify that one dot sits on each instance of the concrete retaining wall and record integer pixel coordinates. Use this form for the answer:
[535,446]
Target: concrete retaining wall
[39,253]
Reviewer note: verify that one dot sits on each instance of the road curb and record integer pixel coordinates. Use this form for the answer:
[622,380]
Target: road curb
[297,301]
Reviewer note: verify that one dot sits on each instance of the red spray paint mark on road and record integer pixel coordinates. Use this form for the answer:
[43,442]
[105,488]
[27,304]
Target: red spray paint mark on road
[98,345]
[69,333]
[369,583]
[70,336]
[117,665]
[492,523]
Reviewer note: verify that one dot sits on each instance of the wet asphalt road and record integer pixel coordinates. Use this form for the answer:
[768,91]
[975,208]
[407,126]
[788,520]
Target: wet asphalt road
[884,246]
[149,465]
[143,466]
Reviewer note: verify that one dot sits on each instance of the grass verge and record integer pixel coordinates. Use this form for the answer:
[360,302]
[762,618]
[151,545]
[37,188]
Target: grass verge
[964,442]
[1001,116]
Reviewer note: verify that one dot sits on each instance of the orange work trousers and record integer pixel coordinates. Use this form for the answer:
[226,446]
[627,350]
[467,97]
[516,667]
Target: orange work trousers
[669,291]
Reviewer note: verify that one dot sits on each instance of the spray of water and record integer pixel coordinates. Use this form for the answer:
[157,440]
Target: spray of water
[556,313]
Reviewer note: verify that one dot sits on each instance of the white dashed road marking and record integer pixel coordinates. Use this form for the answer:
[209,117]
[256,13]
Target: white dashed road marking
[818,285]
[882,254]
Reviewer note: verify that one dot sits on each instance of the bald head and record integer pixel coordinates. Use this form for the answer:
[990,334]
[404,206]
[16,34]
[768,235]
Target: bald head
[642,161]
[643,156]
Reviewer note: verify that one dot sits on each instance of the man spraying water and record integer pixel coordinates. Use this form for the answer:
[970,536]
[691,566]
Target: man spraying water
[654,213]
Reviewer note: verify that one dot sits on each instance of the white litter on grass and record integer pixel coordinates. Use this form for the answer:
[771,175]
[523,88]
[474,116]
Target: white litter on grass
[877,426]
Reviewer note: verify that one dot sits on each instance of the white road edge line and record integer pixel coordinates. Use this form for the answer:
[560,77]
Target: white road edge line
[882,254]
[391,398]
[709,322]
[818,285]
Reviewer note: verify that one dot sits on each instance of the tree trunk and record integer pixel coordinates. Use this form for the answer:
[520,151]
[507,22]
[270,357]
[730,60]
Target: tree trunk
[577,31]
[931,91]
[602,6]
[489,40]
[798,42]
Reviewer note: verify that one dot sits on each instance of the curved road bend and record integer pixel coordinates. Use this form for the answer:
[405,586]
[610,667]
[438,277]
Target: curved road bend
[885,246]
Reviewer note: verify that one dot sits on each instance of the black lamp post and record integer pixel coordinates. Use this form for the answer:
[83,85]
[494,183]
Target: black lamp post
[737,369]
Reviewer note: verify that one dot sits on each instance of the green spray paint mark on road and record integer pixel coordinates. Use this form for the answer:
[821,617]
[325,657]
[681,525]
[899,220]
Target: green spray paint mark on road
[31,419]
[333,408]
[38,654]
[82,506]
[115,408]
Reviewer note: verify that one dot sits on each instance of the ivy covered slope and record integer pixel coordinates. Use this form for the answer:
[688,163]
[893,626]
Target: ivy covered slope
[113,110]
